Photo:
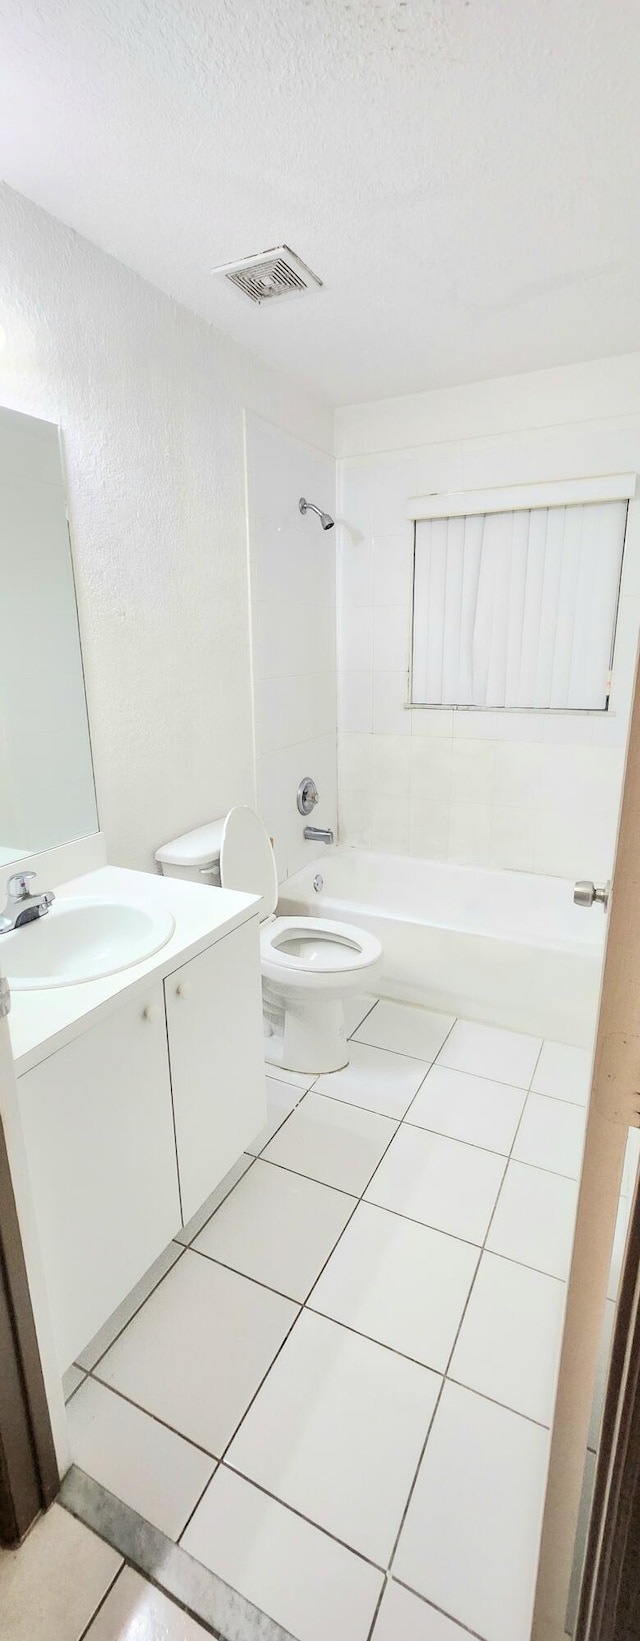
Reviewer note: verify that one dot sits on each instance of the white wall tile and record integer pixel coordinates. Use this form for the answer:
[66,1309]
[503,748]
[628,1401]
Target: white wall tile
[392,638]
[355,571]
[394,483]
[516,770]
[512,842]
[431,765]
[355,755]
[357,497]
[393,568]
[470,833]
[355,638]
[434,724]
[429,829]
[524,791]
[472,769]
[390,716]
[355,702]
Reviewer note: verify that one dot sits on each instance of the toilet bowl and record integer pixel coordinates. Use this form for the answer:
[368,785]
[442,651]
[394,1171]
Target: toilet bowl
[309,964]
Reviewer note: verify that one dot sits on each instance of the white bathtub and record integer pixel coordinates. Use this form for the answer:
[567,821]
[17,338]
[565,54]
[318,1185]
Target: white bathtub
[504,947]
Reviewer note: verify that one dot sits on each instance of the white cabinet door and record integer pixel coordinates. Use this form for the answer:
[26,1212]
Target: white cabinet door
[214,1019]
[100,1145]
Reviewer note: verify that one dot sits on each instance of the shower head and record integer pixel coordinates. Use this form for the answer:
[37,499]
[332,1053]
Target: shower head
[309,507]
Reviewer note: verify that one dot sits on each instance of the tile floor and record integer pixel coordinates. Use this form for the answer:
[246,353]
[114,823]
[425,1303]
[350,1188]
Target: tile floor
[345,1366]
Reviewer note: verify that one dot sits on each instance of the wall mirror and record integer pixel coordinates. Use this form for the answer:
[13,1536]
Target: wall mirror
[47,793]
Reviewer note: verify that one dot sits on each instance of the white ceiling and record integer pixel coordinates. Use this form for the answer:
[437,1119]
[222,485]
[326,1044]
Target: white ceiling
[464,175]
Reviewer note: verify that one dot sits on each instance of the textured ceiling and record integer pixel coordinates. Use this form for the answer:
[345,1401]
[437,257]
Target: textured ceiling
[463,174]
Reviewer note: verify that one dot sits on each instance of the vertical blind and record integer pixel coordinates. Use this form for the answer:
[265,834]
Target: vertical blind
[517,609]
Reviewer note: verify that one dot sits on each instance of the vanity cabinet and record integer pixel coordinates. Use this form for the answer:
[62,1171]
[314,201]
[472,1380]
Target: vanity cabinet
[98,1131]
[214,1026]
[130,1126]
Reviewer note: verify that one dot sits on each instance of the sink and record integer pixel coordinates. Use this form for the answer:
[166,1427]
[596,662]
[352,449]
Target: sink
[82,940]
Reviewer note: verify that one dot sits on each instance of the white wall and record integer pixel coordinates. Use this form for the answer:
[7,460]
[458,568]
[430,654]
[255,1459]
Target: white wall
[528,791]
[151,404]
[293,613]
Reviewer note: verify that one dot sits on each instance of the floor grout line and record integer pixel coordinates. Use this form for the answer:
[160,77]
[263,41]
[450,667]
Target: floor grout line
[445,1378]
[104,1599]
[357,1199]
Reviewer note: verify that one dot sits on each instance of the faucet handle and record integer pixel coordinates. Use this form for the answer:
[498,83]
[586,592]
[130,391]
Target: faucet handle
[18,885]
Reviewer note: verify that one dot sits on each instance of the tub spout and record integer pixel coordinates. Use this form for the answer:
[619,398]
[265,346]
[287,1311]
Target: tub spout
[318,834]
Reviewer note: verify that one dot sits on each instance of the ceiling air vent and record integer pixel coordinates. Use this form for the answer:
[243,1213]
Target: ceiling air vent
[272,274]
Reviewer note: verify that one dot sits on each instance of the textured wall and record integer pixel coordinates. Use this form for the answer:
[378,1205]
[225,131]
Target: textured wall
[151,402]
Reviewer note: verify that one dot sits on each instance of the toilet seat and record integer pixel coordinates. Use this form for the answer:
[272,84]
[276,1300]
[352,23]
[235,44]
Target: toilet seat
[312,951]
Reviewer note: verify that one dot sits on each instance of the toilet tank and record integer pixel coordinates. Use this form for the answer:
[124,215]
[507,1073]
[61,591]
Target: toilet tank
[195,856]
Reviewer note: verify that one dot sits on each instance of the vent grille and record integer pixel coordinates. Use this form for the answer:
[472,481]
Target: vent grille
[270,275]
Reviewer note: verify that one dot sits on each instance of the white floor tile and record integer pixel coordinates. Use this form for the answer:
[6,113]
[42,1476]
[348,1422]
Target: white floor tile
[282,1098]
[336,1432]
[488,1051]
[406,1029]
[114,1324]
[469,1108]
[195,1354]
[355,1010]
[442,1183]
[194,1226]
[51,1586]
[298,1079]
[509,1342]
[300,1577]
[551,1136]
[331,1142]
[278,1228]
[135,1611]
[470,1540]
[405,1617]
[375,1080]
[381,1264]
[132,1455]
[535,1218]
[564,1073]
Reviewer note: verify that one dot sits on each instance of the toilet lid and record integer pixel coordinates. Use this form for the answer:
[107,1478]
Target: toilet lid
[247,860]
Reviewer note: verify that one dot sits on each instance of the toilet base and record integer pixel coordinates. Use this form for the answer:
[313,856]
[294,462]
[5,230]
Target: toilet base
[306,1036]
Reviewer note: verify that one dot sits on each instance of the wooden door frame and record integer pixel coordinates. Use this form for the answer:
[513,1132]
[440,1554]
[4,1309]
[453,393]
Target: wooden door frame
[29,1475]
[609,1607]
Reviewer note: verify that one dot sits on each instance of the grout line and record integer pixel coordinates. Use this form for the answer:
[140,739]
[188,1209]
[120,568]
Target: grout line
[220,1204]
[427,1603]
[214,1259]
[143,1301]
[458,1332]
[87,1628]
[294,1511]
[357,1199]
[198,1502]
[352,1034]
[115,1390]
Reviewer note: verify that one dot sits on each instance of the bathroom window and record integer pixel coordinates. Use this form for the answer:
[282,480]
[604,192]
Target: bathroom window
[517,609]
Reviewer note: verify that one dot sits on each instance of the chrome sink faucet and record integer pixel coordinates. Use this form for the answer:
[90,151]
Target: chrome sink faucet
[22,906]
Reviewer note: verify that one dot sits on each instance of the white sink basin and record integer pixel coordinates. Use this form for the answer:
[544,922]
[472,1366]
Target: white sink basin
[82,940]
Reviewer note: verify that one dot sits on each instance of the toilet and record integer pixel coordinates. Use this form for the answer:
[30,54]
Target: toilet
[309,964]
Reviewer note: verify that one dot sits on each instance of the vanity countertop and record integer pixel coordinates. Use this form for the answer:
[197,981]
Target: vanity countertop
[41,1021]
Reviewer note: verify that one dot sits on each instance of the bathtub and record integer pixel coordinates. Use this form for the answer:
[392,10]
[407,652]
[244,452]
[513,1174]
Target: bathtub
[508,948]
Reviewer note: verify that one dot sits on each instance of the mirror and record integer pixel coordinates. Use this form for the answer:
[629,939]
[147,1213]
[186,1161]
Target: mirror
[47,793]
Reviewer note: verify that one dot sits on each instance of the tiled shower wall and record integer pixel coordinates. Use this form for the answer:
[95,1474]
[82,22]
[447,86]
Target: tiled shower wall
[293,617]
[531,791]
